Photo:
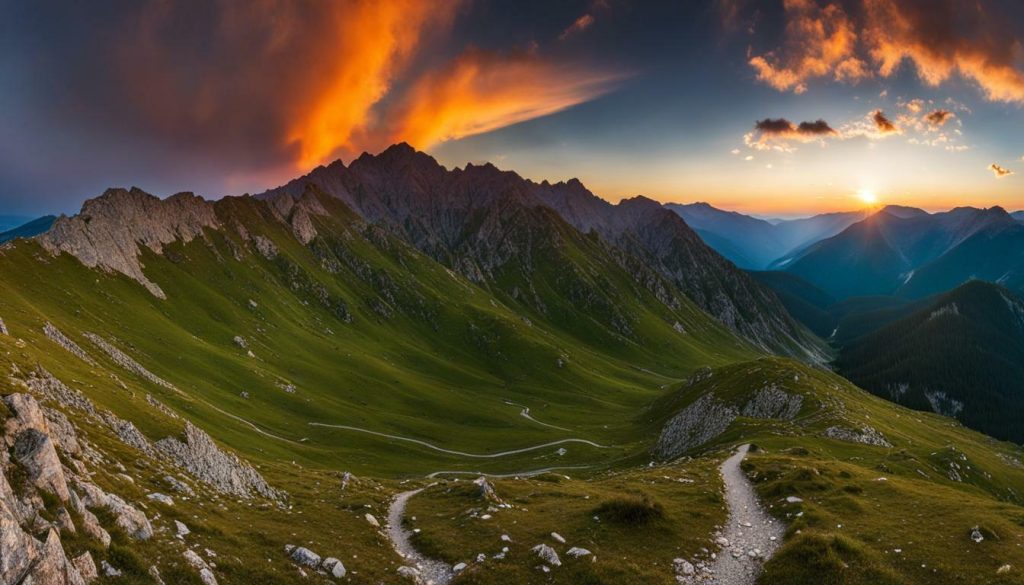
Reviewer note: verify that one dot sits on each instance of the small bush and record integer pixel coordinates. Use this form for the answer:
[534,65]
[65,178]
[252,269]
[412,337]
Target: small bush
[631,510]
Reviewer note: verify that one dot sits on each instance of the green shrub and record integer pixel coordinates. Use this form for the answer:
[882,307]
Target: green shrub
[631,510]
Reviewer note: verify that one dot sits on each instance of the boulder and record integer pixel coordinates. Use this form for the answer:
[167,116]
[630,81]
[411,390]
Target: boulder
[127,517]
[18,550]
[109,570]
[196,562]
[577,552]
[334,567]
[304,556]
[372,520]
[52,566]
[86,567]
[547,554]
[35,451]
[178,485]
[162,498]
[180,530]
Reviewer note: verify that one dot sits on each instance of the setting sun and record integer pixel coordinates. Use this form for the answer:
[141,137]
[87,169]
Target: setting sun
[867,196]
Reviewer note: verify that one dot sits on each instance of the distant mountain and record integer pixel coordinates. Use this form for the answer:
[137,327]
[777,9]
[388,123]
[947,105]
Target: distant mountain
[28,229]
[453,216]
[8,222]
[915,254]
[1018,215]
[962,355]
[754,243]
[747,241]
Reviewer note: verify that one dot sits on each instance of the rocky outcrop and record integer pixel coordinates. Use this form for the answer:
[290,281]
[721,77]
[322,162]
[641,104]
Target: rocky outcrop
[196,453]
[771,402]
[266,247]
[125,361]
[32,434]
[53,566]
[708,417]
[698,423]
[110,229]
[3,328]
[866,436]
[64,341]
[199,455]
[28,435]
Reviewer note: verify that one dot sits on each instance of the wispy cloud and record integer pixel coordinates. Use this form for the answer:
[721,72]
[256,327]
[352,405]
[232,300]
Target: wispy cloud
[482,91]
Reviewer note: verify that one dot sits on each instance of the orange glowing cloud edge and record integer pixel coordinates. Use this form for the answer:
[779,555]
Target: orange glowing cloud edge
[822,40]
[477,92]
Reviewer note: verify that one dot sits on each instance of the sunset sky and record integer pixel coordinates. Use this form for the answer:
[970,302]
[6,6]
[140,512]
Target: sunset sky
[784,107]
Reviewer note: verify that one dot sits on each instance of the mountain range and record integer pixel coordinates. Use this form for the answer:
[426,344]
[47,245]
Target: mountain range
[754,243]
[460,218]
[394,372]
[915,254]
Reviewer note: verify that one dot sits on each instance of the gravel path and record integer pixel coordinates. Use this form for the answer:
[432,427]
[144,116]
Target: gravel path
[462,453]
[431,571]
[750,530]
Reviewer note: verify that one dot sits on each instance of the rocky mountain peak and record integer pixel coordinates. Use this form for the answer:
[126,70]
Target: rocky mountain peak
[109,229]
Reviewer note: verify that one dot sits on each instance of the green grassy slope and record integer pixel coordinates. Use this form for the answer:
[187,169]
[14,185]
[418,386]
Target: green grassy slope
[410,362]
[896,514]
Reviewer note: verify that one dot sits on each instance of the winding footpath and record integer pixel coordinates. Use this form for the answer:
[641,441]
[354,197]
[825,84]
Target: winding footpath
[751,536]
[430,571]
[462,453]
[525,413]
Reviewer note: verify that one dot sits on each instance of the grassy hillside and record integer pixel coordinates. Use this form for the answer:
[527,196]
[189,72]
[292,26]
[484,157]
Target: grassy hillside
[361,326]
[902,513]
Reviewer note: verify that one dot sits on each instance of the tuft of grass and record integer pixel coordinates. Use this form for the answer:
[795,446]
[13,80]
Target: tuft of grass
[631,510]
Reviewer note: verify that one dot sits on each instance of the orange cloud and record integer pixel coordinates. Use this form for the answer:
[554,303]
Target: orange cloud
[944,37]
[482,91]
[370,44]
[819,41]
[999,171]
[941,38]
